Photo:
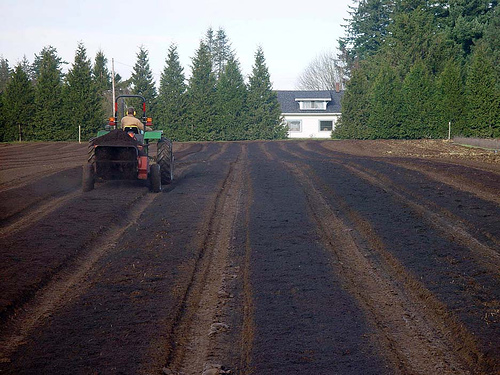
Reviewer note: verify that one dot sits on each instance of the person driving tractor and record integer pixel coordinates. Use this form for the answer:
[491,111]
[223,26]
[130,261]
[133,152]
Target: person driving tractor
[131,120]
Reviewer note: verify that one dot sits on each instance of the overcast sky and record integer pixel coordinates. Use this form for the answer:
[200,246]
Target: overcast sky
[291,32]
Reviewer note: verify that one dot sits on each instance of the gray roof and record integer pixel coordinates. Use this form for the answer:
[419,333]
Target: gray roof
[290,105]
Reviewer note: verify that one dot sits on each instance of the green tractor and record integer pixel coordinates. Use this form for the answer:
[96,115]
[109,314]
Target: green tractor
[129,153]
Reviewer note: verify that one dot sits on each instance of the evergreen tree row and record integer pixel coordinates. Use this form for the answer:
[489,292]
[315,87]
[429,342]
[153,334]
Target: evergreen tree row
[417,65]
[39,102]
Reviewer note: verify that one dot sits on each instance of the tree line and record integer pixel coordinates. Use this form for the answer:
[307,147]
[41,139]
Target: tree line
[39,102]
[415,66]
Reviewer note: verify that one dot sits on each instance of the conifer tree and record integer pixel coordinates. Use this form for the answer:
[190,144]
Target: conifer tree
[172,100]
[5,73]
[18,107]
[417,104]
[231,102]
[221,53]
[367,29]
[100,72]
[143,83]
[209,41]
[385,93]
[450,99]
[356,109]
[219,48]
[37,63]
[4,79]
[264,113]
[201,96]
[482,96]
[429,44]
[82,100]
[102,79]
[28,68]
[48,124]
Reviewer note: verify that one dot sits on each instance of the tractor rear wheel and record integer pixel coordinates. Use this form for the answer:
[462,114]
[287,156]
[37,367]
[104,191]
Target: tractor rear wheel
[88,177]
[165,158]
[155,178]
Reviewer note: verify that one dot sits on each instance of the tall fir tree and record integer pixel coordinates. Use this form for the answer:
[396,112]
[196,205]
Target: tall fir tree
[417,111]
[5,73]
[366,30]
[221,53]
[429,45]
[209,41]
[264,112]
[4,79]
[356,109]
[450,99]
[101,73]
[385,97]
[201,96]
[172,98]
[102,79]
[482,96]
[468,21]
[28,68]
[220,50]
[82,100]
[143,82]
[37,63]
[231,102]
[48,124]
[18,105]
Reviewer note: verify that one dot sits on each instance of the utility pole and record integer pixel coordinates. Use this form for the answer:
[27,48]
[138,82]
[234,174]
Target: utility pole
[113,86]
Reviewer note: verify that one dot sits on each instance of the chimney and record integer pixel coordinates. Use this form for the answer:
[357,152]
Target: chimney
[337,86]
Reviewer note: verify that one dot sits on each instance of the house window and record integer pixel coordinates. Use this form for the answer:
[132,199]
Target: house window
[294,125]
[326,126]
[312,104]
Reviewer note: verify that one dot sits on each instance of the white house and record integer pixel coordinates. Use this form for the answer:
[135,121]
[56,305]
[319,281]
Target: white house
[310,114]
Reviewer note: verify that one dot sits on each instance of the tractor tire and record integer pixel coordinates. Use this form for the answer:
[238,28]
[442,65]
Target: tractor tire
[155,178]
[88,177]
[91,150]
[165,158]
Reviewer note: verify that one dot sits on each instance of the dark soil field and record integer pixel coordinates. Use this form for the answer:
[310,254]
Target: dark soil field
[293,257]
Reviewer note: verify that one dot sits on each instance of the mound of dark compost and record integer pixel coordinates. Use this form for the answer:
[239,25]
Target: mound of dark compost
[116,138]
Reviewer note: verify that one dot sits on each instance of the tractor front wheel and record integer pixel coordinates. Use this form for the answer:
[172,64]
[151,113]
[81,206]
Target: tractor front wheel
[155,178]
[88,177]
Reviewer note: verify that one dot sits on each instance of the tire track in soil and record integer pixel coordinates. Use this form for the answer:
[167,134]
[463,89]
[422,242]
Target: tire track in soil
[52,200]
[413,343]
[453,329]
[19,168]
[65,285]
[306,321]
[57,284]
[141,343]
[35,213]
[455,180]
[196,327]
[248,325]
[449,225]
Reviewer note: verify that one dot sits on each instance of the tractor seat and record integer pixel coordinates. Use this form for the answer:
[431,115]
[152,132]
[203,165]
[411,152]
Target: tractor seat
[133,129]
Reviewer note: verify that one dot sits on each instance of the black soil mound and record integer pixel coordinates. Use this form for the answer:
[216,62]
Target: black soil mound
[116,138]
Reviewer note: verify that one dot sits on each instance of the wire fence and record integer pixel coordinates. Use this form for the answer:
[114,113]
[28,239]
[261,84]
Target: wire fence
[489,143]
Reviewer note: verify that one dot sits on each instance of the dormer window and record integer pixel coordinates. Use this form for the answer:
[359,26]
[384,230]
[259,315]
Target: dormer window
[313,104]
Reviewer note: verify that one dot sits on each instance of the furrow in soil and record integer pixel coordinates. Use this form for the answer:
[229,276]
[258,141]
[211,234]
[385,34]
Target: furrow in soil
[64,286]
[413,343]
[197,326]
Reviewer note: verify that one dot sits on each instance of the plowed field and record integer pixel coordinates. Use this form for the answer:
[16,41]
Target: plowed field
[293,257]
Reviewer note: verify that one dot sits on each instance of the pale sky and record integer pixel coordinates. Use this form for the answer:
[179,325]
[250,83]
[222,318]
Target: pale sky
[291,32]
